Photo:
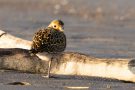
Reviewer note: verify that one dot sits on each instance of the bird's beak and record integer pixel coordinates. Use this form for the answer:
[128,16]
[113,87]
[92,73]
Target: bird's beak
[62,29]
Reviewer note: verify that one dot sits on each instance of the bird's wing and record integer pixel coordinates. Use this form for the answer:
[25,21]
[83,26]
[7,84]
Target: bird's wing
[40,38]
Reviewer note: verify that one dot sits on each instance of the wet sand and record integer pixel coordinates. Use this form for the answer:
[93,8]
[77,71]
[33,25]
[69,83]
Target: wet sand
[59,82]
[94,27]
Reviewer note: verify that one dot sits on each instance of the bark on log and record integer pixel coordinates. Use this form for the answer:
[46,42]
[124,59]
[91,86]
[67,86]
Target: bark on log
[67,63]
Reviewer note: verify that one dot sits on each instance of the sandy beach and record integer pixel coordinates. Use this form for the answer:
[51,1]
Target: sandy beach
[94,27]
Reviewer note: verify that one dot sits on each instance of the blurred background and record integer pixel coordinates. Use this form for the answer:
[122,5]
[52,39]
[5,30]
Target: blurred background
[102,28]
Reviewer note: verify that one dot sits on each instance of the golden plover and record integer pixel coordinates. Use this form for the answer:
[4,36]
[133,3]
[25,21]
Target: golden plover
[50,39]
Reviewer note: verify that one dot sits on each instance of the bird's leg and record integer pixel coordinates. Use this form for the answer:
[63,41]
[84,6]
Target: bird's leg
[49,68]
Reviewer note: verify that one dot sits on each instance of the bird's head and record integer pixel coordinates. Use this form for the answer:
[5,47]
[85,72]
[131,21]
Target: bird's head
[57,24]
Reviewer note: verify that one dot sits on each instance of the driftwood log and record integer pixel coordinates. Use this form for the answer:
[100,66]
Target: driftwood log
[14,55]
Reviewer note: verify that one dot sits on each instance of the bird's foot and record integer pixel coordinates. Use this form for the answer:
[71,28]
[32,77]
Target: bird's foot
[46,76]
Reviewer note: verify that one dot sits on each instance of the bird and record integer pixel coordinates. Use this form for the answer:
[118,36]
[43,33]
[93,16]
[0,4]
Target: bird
[51,40]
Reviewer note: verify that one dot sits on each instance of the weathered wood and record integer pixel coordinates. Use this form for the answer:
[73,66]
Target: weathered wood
[67,63]
[20,59]
[9,41]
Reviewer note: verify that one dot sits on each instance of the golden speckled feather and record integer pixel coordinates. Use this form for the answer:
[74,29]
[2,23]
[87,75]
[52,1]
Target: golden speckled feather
[51,40]
[48,40]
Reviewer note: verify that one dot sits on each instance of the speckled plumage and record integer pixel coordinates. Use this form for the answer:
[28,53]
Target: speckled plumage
[51,40]
[48,40]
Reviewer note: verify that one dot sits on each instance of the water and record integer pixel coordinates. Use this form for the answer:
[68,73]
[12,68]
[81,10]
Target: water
[100,28]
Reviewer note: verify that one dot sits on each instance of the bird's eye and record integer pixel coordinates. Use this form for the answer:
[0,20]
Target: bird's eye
[55,26]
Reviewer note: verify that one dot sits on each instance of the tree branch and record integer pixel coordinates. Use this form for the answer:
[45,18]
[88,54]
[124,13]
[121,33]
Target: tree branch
[67,63]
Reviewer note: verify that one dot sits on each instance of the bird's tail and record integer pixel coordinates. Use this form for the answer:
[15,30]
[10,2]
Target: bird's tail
[32,52]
